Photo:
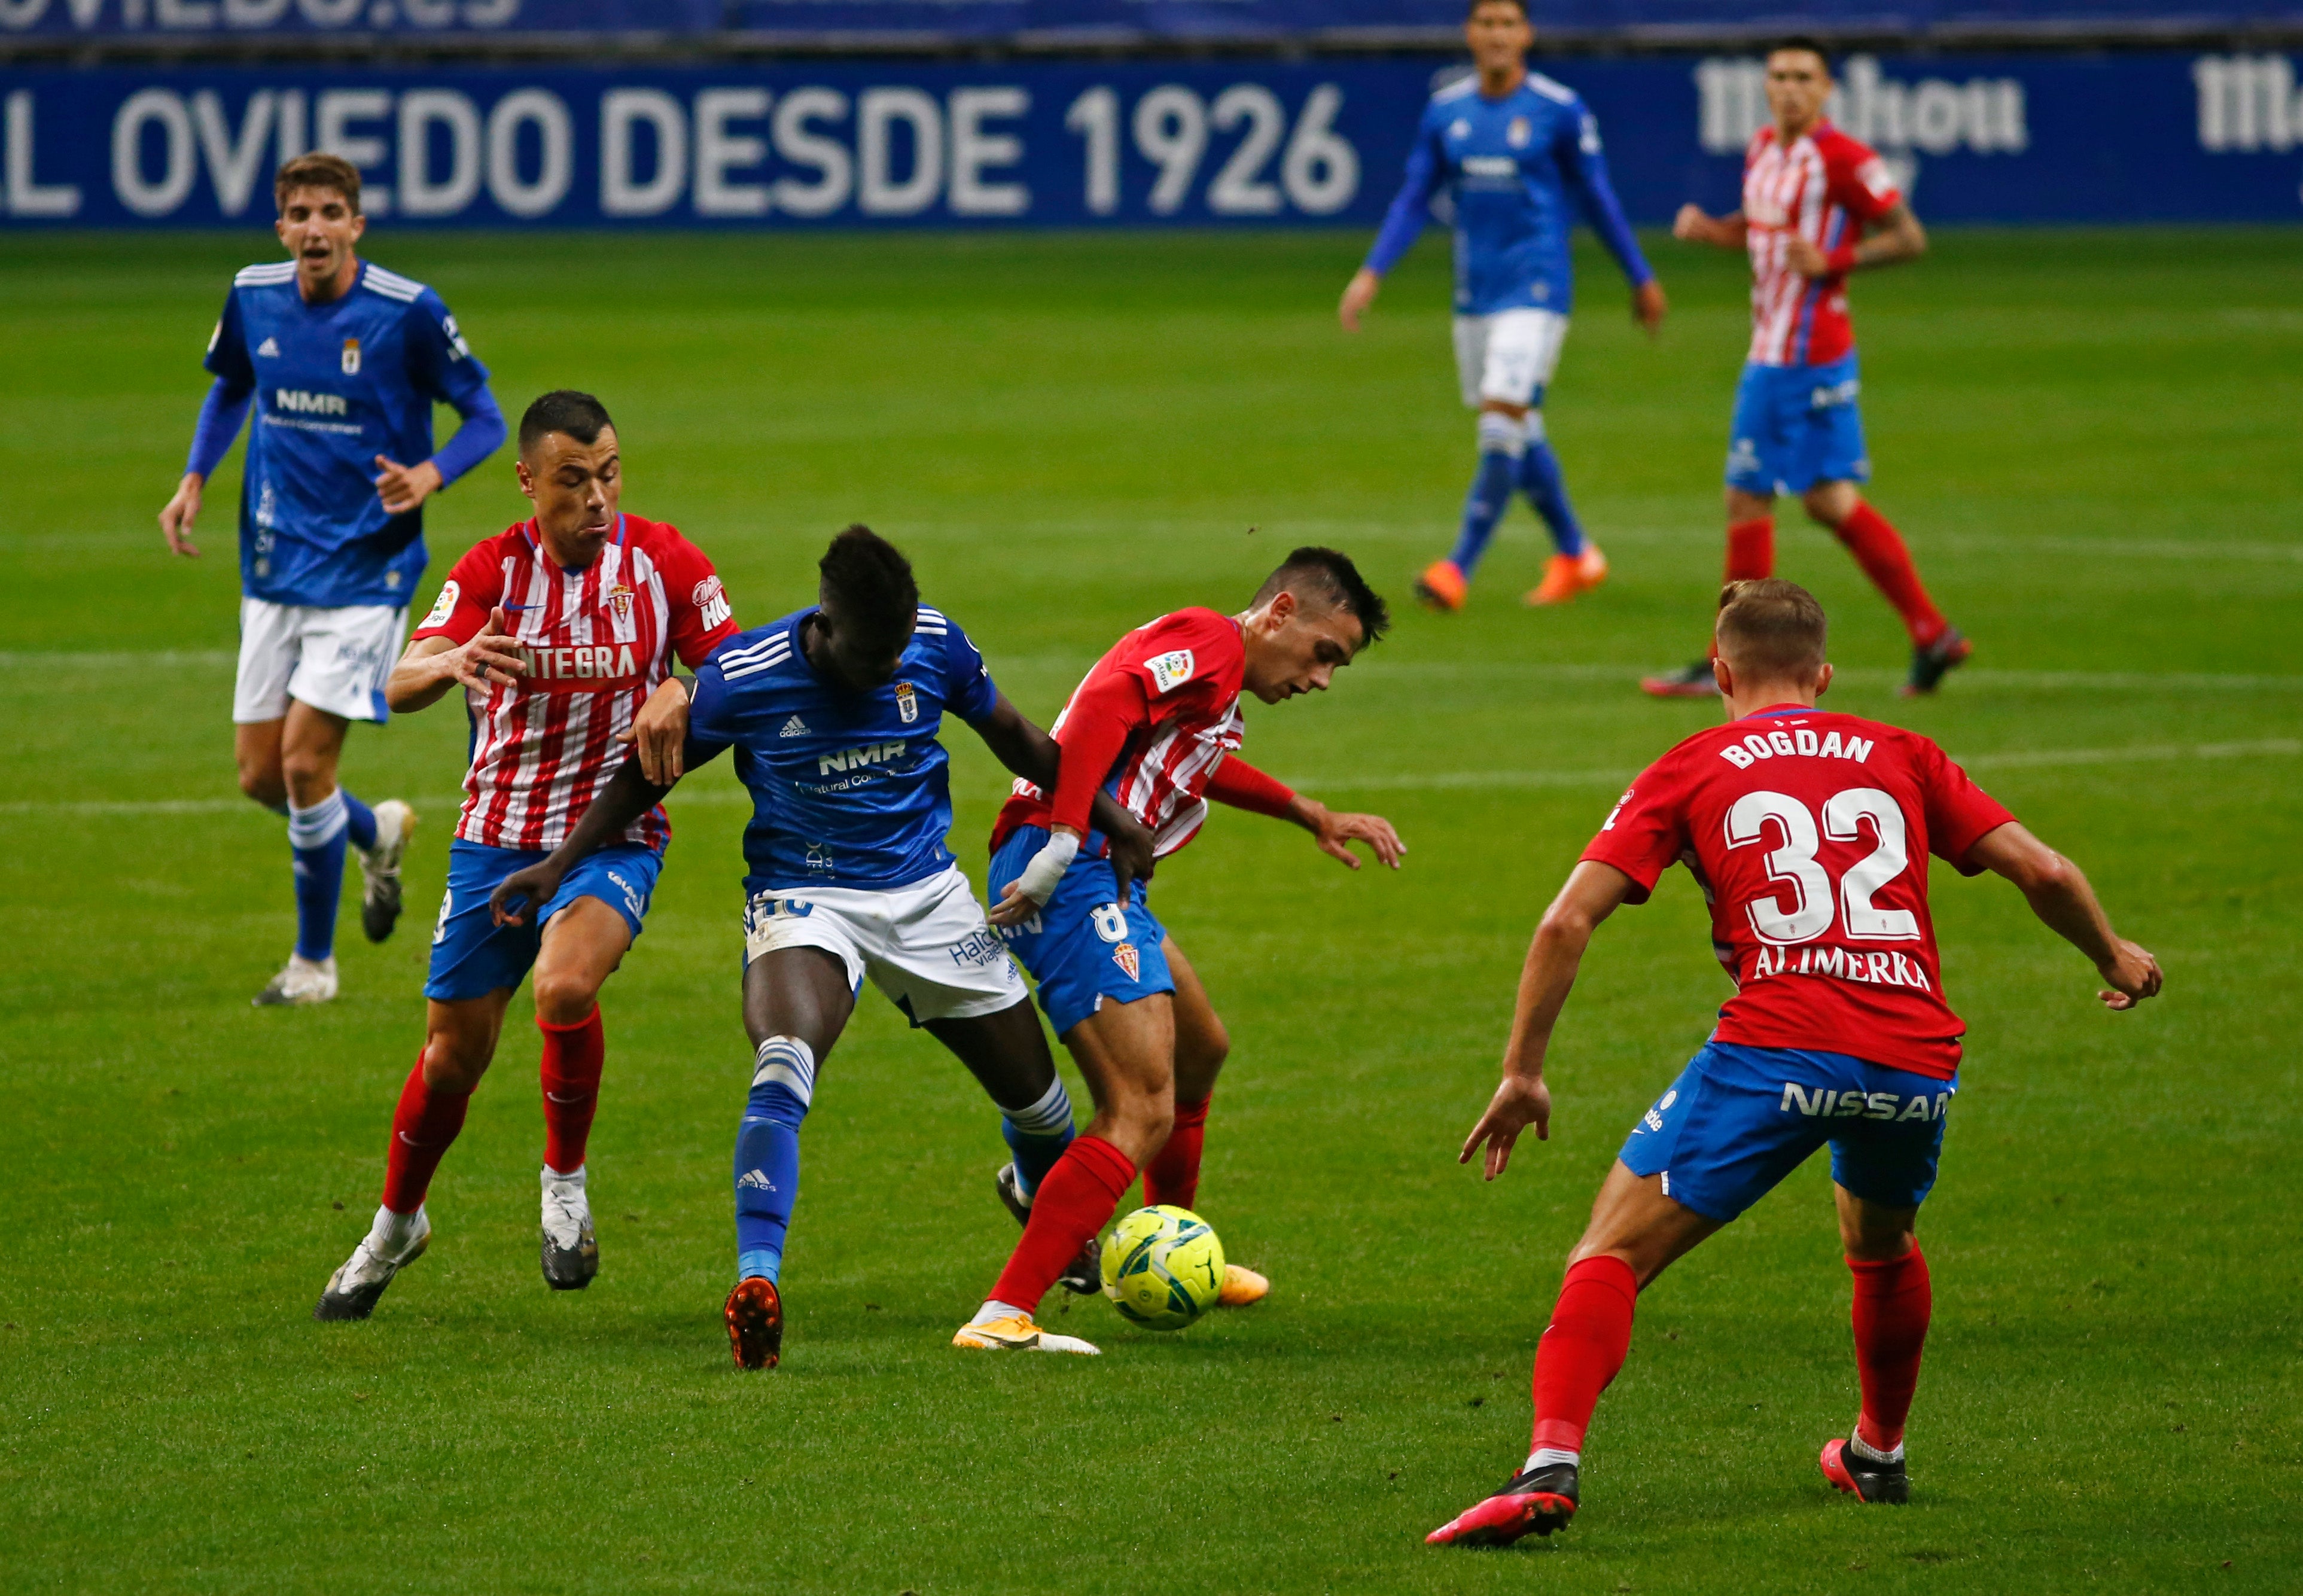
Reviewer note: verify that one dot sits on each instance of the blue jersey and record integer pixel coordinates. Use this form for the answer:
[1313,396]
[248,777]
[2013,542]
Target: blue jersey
[1507,168]
[335,385]
[848,790]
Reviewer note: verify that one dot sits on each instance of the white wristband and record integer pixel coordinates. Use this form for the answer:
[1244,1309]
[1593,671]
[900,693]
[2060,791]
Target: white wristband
[1040,876]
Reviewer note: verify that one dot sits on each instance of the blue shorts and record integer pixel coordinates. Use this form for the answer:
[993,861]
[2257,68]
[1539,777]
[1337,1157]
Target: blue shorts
[472,956]
[1739,1119]
[1796,426]
[1084,946]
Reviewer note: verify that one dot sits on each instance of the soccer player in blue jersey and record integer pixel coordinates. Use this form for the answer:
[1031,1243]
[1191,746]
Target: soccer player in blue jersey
[1516,155]
[341,360]
[834,714]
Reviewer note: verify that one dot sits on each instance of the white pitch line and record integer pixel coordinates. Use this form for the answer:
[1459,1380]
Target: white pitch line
[1412,781]
[2017,759]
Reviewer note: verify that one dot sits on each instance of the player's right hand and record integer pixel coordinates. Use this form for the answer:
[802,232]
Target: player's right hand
[531,887]
[1520,1101]
[1130,853]
[177,515]
[1691,225]
[490,659]
[1359,293]
[2134,975]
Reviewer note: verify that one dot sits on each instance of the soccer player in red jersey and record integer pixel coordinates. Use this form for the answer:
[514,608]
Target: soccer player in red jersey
[1810,833]
[1808,192]
[1155,725]
[561,631]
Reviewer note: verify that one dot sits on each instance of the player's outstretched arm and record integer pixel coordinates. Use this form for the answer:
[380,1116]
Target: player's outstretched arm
[1593,891]
[1242,786]
[432,666]
[1032,753]
[1692,227]
[628,795]
[2060,895]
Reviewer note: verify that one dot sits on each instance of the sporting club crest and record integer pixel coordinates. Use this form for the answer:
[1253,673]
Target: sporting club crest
[351,357]
[1124,956]
[620,600]
[907,703]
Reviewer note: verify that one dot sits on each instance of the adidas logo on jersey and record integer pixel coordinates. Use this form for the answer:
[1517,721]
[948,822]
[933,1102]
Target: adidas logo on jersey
[795,727]
[270,346]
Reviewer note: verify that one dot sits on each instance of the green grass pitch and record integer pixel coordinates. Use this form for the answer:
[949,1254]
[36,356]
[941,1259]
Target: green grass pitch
[2089,438]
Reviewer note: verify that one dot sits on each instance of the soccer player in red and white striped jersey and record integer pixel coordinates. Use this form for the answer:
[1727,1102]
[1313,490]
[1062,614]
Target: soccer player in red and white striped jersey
[563,631]
[1809,192]
[1156,723]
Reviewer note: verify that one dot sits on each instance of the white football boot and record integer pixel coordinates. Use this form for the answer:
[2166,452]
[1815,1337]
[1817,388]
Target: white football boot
[299,985]
[395,823]
[353,1289]
[571,1255]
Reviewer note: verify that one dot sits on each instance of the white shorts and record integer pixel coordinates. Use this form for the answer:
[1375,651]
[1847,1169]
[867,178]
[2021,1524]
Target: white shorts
[927,946]
[332,659]
[1508,356]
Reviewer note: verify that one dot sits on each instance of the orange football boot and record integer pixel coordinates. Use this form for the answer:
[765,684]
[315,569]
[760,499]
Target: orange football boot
[1568,575]
[755,1322]
[1241,1287]
[1442,586]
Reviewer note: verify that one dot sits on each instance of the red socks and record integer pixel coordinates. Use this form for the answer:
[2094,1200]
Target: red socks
[1072,1204]
[1878,548]
[1173,1175]
[1892,1303]
[570,1071]
[422,1129]
[1751,549]
[1590,1331]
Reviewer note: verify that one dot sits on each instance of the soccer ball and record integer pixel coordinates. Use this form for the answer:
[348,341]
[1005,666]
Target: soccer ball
[1162,1268]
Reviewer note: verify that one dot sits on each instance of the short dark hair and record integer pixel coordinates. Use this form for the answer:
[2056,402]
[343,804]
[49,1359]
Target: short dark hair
[1329,576]
[316,171]
[1770,627]
[1807,42]
[1473,9]
[563,409]
[871,582]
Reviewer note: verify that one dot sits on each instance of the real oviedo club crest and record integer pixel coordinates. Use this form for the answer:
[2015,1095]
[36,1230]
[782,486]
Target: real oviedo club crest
[907,702]
[351,357]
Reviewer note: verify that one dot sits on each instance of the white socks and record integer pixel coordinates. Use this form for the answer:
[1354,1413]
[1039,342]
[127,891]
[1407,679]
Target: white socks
[1871,1454]
[997,1310]
[1545,1456]
[391,1233]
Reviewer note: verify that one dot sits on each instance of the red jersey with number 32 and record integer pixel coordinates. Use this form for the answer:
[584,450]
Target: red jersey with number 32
[1810,833]
[1192,665]
[597,641]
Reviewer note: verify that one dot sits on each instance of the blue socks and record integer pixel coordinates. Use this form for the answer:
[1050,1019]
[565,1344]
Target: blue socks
[316,837]
[767,1154]
[1501,441]
[1038,1136]
[1546,489]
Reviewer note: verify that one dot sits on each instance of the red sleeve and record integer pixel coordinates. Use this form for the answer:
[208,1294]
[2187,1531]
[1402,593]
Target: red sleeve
[1108,708]
[1959,814]
[1241,785]
[701,616]
[1647,831]
[1861,181]
[1192,657]
[473,587]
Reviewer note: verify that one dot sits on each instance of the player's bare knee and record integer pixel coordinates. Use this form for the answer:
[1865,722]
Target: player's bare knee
[1830,503]
[564,996]
[309,775]
[455,1062]
[265,784]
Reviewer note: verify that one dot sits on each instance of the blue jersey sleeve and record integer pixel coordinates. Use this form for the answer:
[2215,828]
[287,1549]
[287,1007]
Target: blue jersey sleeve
[442,366]
[221,414]
[227,355]
[969,691]
[1585,168]
[1411,209]
[711,713]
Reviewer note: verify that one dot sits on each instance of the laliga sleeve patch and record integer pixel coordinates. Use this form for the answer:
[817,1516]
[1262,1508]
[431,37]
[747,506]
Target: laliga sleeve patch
[1171,669]
[443,606]
[1877,180]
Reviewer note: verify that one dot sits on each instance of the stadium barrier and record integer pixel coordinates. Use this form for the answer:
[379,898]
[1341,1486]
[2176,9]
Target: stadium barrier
[2161,135]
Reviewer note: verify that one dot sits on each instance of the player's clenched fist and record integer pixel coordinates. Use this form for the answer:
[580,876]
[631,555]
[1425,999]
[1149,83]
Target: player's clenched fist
[2134,975]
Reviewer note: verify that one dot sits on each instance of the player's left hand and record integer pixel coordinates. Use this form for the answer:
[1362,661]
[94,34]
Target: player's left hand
[1648,306]
[533,887]
[1520,1101]
[2134,975]
[1335,830]
[1129,851]
[659,733]
[403,487]
[1805,257]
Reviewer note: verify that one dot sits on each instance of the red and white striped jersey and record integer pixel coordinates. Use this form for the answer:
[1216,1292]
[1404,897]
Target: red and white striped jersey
[1824,186]
[598,641]
[1191,665]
